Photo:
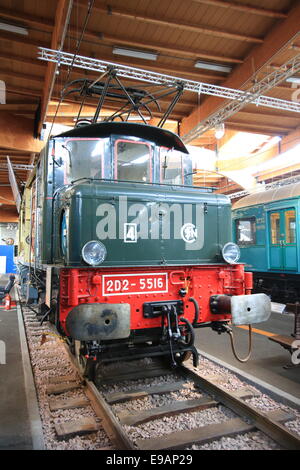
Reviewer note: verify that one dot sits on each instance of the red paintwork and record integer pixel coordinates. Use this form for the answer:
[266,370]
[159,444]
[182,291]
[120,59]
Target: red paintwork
[84,285]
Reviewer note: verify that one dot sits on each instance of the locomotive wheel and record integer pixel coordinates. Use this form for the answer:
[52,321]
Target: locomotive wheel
[85,366]
[188,339]
[80,359]
[185,355]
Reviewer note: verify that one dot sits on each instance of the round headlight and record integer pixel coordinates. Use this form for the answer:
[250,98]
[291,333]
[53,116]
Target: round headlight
[231,253]
[94,253]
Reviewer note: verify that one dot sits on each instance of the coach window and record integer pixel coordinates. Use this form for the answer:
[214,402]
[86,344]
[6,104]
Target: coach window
[275,228]
[290,226]
[133,161]
[246,231]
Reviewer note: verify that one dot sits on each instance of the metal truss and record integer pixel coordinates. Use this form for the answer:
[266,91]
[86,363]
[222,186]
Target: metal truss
[265,187]
[238,98]
[16,166]
[253,95]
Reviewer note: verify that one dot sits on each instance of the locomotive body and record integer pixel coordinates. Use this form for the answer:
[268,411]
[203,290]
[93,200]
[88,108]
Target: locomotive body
[122,253]
[266,228]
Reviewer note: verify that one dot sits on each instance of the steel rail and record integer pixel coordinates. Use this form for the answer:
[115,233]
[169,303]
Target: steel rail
[109,422]
[276,431]
[271,428]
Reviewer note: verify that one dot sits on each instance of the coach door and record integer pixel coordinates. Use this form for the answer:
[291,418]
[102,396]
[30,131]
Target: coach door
[282,239]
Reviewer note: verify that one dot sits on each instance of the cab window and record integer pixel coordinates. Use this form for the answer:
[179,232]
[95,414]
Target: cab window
[83,158]
[245,230]
[133,161]
[171,166]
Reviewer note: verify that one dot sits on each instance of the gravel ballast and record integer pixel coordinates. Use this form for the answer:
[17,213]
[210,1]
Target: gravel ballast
[50,359]
[52,353]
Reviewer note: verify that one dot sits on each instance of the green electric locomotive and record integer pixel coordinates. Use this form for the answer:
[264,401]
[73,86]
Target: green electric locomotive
[122,252]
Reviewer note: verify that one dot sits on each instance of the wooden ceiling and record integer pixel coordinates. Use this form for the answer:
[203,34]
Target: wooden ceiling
[251,36]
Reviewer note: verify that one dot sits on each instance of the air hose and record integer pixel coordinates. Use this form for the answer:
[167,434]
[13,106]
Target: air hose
[196,318]
[230,332]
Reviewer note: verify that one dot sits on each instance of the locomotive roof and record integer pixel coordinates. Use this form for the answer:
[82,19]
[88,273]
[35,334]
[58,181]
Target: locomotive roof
[282,192]
[160,136]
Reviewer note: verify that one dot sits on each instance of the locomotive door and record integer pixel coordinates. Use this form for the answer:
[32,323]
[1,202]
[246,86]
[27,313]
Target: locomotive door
[282,239]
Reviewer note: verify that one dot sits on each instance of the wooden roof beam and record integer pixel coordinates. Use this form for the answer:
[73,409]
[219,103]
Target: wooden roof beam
[260,126]
[96,36]
[279,37]
[171,23]
[268,116]
[243,8]
[11,37]
[7,196]
[269,174]
[21,76]
[10,215]
[23,60]
[163,48]
[22,91]
[19,107]
[17,133]
[47,25]
[266,130]
[63,10]
[26,19]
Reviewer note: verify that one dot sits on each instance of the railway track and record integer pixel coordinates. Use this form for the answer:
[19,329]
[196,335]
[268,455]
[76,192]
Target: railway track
[115,410]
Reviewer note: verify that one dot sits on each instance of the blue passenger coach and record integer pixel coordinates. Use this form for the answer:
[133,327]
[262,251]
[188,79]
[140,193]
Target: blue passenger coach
[266,226]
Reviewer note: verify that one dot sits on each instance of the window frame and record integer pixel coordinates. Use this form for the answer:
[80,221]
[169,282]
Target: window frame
[160,167]
[252,221]
[140,142]
[78,139]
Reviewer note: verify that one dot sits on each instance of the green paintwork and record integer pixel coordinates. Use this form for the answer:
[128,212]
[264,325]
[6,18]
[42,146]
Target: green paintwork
[82,201]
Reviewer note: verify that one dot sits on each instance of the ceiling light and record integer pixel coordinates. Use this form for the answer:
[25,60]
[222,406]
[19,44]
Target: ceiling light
[211,66]
[219,130]
[13,29]
[135,53]
[293,80]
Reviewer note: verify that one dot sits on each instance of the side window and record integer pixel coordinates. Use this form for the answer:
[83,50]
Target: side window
[245,231]
[63,233]
[275,228]
[290,226]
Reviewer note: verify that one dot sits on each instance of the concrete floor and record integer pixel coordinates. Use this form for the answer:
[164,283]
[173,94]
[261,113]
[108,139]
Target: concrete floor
[267,359]
[15,431]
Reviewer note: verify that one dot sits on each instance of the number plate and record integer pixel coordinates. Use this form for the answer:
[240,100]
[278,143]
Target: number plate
[124,284]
